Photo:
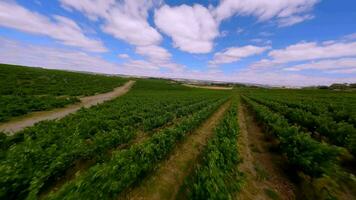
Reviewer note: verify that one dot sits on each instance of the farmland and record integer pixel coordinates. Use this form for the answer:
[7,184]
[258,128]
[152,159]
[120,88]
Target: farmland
[164,140]
[24,90]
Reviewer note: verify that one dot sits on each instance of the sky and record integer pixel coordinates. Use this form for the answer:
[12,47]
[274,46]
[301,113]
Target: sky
[274,42]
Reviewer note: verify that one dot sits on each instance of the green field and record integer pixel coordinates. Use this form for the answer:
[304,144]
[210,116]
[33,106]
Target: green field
[258,141]
[24,90]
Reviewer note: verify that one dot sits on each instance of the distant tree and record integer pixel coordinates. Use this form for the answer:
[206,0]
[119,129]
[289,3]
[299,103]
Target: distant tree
[323,87]
[352,85]
[339,86]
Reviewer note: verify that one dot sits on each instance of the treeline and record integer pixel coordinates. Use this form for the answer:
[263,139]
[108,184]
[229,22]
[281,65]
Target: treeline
[335,86]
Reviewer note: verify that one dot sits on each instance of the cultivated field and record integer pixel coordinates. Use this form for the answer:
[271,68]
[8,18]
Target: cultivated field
[164,140]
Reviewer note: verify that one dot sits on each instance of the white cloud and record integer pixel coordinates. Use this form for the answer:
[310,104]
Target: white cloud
[234,54]
[20,53]
[59,28]
[263,9]
[125,20]
[128,21]
[155,53]
[92,8]
[289,21]
[240,30]
[31,55]
[350,36]
[124,56]
[277,78]
[261,41]
[141,64]
[224,33]
[337,65]
[265,34]
[306,51]
[158,56]
[313,50]
[343,71]
[192,28]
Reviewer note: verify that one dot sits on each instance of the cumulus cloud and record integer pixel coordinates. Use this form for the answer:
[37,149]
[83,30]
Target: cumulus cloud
[234,54]
[192,28]
[128,21]
[59,28]
[125,20]
[264,9]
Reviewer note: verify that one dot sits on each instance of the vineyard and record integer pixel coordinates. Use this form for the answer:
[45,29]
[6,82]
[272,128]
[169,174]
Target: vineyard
[164,140]
[24,90]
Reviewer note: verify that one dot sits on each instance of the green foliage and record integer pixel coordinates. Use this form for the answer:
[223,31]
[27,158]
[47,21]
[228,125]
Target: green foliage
[24,89]
[216,176]
[37,155]
[338,133]
[107,180]
[303,152]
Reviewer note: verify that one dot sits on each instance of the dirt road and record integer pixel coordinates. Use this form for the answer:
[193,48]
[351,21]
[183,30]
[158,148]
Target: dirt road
[29,120]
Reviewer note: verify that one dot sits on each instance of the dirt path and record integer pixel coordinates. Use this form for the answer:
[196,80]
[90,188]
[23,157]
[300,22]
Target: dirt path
[166,181]
[264,177]
[208,87]
[29,120]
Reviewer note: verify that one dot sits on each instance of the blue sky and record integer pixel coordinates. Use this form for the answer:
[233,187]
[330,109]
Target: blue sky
[276,42]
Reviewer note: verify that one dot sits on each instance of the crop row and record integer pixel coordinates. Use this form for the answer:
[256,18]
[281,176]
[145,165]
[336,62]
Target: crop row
[302,151]
[126,167]
[24,90]
[338,133]
[339,105]
[216,175]
[45,151]
[320,107]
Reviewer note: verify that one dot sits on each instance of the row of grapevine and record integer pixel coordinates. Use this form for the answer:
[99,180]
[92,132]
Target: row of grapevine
[24,89]
[45,151]
[216,175]
[338,133]
[320,107]
[339,105]
[302,151]
[126,167]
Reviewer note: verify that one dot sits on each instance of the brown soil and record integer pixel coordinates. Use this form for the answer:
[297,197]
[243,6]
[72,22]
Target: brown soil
[29,120]
[165,182]
[265,178]
[208,87]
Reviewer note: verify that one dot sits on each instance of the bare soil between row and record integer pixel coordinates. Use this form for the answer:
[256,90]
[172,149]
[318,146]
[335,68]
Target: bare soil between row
[164,183]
